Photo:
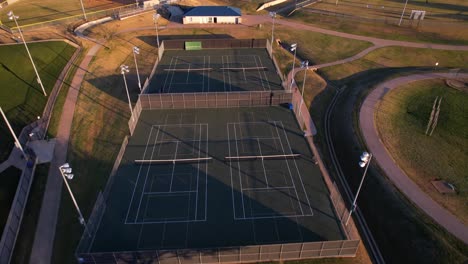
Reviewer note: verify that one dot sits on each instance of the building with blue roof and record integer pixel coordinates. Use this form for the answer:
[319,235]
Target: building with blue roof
[213,14]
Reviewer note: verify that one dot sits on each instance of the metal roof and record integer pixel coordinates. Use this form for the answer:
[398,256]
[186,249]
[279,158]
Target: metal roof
[214,11]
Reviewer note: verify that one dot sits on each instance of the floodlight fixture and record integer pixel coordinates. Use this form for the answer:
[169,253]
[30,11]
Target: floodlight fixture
[124,69]
[293,48]
[365,161]
[136,51]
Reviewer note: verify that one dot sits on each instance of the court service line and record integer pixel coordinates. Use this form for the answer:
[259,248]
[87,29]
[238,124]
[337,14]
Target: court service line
[173,73]
[167,75]
[298,171]
[224,76]
[146,178]
[167,193]
[264,73]
[259,74]
[138,177]
[289,170]
[198,173]
[188,72]
[240,176]
[230,169]
[173,166]
[206,174]
[263,162]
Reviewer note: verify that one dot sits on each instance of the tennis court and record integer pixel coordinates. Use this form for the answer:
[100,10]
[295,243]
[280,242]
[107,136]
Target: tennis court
[215,70]
[203,178]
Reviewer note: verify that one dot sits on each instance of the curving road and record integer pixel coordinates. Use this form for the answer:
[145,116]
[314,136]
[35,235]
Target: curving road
[394,173]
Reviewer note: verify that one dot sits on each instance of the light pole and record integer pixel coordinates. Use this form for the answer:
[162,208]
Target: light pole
[273,16]
[293,48]
[402,13]
[82,8]
[124,69]
[12,16]
[365,161]
[136,51]
[155,19]
[66,172]
[305,66]
[17,143]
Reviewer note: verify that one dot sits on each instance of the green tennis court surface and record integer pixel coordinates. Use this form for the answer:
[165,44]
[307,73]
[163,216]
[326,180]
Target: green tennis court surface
[179,199]
[215,70]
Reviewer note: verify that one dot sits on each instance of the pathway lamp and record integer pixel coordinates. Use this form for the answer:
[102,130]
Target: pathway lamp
[124,69]
[155,19]
[293,48]
[364,163]
[273,16]
[305,66]
[66,172]
[136,51]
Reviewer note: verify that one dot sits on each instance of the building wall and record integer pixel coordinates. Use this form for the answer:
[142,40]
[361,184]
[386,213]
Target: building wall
[205,20]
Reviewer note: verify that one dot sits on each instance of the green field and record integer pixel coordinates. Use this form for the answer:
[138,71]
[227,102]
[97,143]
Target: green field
[36,11]
[21,97]
[9,182]
[445,21]
[401,121]
[393,57]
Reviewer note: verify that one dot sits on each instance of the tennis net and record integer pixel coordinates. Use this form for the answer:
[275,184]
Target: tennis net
[243,68]
[173,161]
[189,69]
[264,157]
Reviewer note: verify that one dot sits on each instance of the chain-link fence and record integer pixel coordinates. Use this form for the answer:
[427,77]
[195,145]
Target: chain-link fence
[241,254]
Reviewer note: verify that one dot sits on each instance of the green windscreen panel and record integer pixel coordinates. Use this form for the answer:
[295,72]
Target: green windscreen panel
[193,45]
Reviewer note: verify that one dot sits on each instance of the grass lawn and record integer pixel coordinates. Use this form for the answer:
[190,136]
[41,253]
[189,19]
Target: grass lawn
[319,48]
[21,97]
[401,121]
[428,31]
[404,233]
[27,231]
[36,11]
[9,182]
[391,57]
[99,125]
[436,10]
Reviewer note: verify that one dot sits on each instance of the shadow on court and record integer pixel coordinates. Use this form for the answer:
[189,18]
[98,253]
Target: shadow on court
[219,202]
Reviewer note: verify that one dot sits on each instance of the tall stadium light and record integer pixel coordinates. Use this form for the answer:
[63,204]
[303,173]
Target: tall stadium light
[305,66]
[136,51]
[365,161]
[402,13]
[12,16]
[293,48]
[155,19]
[273,16]
[17,143]
[66,172]
[124,69]
[83,9]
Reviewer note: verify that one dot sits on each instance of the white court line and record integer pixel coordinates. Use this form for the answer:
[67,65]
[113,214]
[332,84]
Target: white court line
[270,217]
[167,75]
[188,72]
[298,171]
[167,193]
[230,169]
[206,175]
[138,177]
[173,166]
[173,73]
[259,73]
[209,64]
[263,163]
[229,74]
[264,74]
[224,77]
[146,178]
[289,169]
[198,175]
[166,221]
[239,168]
[268,188]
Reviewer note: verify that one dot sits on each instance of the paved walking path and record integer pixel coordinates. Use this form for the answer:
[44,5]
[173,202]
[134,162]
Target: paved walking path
[396,175]
[45,231]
